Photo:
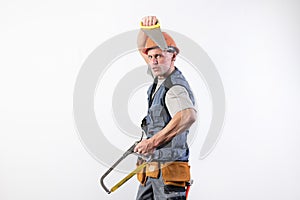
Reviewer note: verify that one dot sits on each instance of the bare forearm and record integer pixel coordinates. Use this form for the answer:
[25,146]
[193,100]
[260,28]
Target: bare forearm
[179,123]
[141,40]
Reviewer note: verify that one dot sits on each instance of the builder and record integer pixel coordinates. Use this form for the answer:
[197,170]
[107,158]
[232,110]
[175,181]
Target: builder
[171,112]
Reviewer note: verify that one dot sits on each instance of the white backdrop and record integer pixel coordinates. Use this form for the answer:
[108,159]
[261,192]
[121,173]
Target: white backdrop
[255,46]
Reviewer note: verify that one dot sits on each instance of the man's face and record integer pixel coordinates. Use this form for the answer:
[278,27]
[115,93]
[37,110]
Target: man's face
[161,62]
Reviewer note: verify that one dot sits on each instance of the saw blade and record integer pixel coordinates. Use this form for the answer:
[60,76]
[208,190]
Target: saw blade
[155,34]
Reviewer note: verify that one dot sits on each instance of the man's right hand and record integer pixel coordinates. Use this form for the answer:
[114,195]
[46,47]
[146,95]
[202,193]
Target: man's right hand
[149,20]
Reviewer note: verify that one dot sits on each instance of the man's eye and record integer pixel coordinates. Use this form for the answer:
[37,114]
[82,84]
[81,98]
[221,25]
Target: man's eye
[157,56]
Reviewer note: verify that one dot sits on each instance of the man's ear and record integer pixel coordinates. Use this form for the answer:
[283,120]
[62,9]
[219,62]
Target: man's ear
[174,57]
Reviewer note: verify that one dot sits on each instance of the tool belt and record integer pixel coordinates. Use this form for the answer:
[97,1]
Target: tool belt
[173,173]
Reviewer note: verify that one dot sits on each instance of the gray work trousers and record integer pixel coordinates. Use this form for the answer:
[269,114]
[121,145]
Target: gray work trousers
[155,189]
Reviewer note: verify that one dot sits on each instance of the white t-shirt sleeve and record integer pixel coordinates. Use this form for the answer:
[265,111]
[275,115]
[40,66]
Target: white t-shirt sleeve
[177,99]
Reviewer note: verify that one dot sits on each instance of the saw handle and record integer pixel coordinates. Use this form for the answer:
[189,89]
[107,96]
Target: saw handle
[157,25]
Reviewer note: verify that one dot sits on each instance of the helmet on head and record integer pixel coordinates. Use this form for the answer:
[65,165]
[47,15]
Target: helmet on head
[150,44]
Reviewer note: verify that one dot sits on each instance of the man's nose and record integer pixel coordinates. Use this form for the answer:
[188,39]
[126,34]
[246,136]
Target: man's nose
[154,61]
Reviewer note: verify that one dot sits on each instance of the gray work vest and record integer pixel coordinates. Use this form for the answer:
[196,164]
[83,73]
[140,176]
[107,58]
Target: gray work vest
[158,117]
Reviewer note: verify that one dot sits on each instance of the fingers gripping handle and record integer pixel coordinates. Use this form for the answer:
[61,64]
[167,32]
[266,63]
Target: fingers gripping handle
[157,25]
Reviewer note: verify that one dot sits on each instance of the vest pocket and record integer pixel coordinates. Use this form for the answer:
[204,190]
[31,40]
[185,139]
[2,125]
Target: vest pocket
[156,115]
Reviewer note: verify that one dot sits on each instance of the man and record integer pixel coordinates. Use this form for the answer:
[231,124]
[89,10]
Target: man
[171,112]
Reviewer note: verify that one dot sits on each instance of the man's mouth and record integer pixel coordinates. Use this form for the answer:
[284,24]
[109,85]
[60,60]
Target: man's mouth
[155,69]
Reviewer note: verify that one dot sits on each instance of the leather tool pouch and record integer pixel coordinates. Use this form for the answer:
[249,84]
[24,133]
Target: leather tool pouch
[151,170]
[141,175]
[176,173]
